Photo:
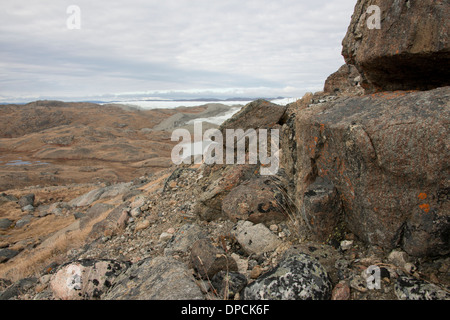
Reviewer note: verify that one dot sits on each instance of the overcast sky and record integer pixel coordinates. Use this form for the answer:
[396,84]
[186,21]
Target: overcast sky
[192,48]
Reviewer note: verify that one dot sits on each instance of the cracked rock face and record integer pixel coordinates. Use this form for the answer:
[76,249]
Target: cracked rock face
[410,49]
[258,200]
[409,288]
[86,279]
[387,156]
[161,278]
[299,277]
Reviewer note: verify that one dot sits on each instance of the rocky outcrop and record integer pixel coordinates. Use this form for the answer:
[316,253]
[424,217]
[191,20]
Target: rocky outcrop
[367,173]
[259,200]
[101,193]
[6,254]
[345,81]
[229,284]
[410,288]
[162,278]
[115,221]
[5,223]
[184,239]
[258,114]
[27,200]
[208,260]
[386,154]
[410,51]
[322,209]
[93,213]
[298,277]
[86,279]
[217,182]
[255,239]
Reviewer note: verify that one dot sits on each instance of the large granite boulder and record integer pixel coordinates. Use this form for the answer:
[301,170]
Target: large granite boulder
[255,115]
[299,277]
[161,278]
[216,184]
[260,200]
[86,279]
[410,50]
[345,81]
[387,156]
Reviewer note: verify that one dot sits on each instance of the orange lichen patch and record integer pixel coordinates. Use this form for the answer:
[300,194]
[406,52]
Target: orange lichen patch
[322,128]
[425,207]
[391,94]
[422,196]
[312,148]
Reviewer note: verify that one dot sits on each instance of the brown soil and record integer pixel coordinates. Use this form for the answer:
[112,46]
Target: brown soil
[51,143]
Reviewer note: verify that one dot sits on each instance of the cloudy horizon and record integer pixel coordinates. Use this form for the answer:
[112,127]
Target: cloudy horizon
[169,49]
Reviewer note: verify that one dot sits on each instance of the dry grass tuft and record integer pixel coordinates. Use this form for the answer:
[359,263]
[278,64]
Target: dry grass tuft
[32,262]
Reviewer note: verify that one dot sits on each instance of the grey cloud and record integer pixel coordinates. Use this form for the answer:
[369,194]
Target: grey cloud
[175,44]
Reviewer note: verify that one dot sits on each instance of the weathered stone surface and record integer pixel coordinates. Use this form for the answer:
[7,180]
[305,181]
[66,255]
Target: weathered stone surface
[299,277]
[259,200]
[116,189]
[217,182]
[88,198]
[322,208]
[409,288]
[60,141]
[18,288]
[93,213]
[324,254]
[165,236]
[142,225]
[27,200]
[209,260]
[341,291]
[6,254]
[255,238]
[228,284]
[28,208]
[387,156]
[101,193]
[161,278]
[86,279]
[427,234]
[114,222]
[345,81]
[5,223]
[184,238]
[23,221]
[7,198]
[255,115]
[398,258]
[410,51]
[4,283]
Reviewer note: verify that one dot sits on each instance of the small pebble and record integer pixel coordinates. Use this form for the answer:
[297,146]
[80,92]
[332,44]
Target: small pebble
[346,245]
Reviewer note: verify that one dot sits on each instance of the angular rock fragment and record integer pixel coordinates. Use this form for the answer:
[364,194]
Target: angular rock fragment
[259,200]
[255,239]
[299,277]
[161,278]
[86,279]
[209,260]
